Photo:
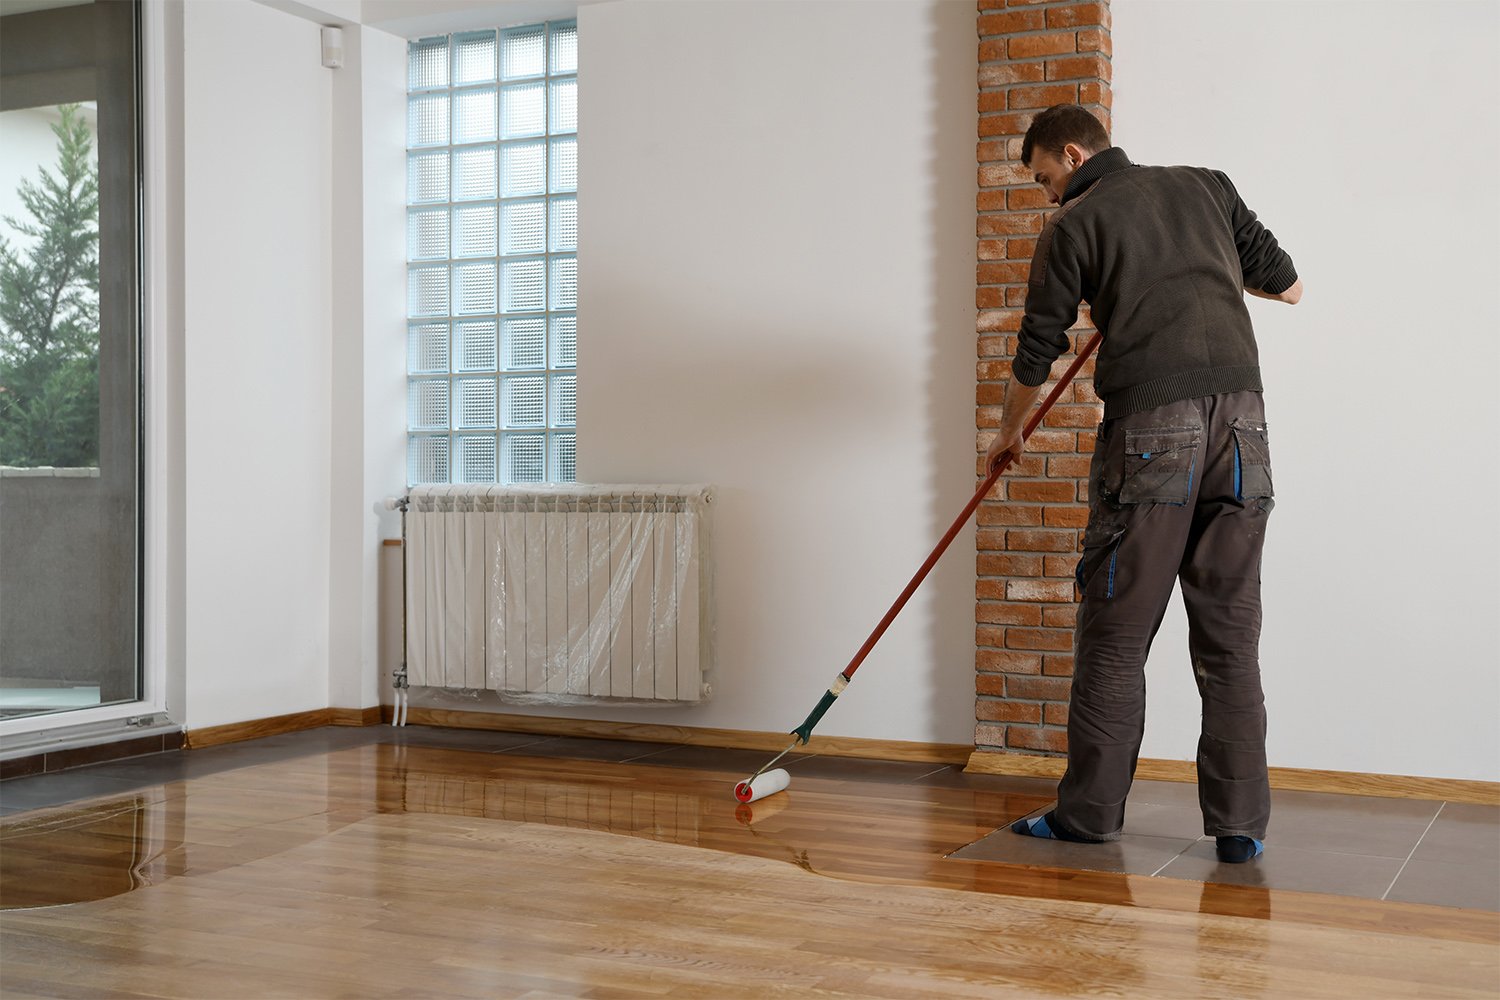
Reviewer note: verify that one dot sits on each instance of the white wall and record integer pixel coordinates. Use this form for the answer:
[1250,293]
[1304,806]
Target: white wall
[1365,136]
[776,280]
[257,177]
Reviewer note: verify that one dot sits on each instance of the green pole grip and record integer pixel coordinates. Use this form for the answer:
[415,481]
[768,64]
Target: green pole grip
[804,731]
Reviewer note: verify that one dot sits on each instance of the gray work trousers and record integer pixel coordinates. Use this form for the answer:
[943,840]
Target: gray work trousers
[1182,493]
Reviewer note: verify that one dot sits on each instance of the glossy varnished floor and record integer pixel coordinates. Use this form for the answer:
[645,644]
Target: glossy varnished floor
[381,869]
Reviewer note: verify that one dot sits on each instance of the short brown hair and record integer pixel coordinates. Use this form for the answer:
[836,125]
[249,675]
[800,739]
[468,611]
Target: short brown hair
[1059,125]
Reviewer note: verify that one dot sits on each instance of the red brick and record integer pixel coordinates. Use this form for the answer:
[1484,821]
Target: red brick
[1072,416]
[990,540]
[990,710]
[990,201]
[1095,40]
[1013,147]
[1020,249]
[989,635]
[1053,591]
[1091,67]
[1075,466]
[1006,564]
[1031,46]
[1086,440]
[1042,97]
[1051,441]
[1058,665]
[1096,93]
[1056,715]
[989,394]
[1076,16]
[990,347]
[992,250]
[989,684]
[1015,296]
[1031,196]
[991,370]
[1009,272]
[1083,390]
[1010,514]
[1008,73]
[987,735]
[991,100]
[1038,688]
[988,298]
[1038,638]
[1019,20]
[1060,567]
[1004,661]
[1010,224]
[1000,174]
[1061,615]
[1040,738]
[992,613]
[991,49]
[1040,492]
[1006,124]
[1066,517]
[1039,540]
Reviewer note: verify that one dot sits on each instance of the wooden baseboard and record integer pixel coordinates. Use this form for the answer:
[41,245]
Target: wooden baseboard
[1387,786]
[255,729]
[733,739]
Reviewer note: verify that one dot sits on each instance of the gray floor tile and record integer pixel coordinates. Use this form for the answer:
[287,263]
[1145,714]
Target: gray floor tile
[1291,868]
[1173,821]
[1349,824]
[1130,854]
[1461,834]
[42,790]
[954,776]
[459,739]
[735,762]
[579,748]
[1165,793]
[860,769]
[1472,885]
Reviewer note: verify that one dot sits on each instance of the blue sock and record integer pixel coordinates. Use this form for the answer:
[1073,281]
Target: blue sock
[1044,827]
[1238,850]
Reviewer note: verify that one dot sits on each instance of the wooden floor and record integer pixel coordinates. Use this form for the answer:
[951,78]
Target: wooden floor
[385,870]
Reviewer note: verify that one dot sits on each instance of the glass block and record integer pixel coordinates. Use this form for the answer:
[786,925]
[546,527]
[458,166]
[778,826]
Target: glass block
[427,291]
[474,288]
[565,47]
[427,63]
[523,227]
[564,165]
[564,219]
[474,461]
[523,286]
[474,173]
[474,115]
[427,177]
[474,231]
[523,110]
[522,401]
[563,401]
[525,343]
[564,284]
[473,403]
[523,170]
[474,345]
[473,58]
[564,341]
[524,458]
[564,96]
[426,460]
[564,449]
[427,234]
[427,120]
[427,404]
[427,348]
[524,52]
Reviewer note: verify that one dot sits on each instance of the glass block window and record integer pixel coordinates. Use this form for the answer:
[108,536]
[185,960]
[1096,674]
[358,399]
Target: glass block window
[492,256]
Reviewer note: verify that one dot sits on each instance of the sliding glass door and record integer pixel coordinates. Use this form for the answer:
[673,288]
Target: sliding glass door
[70,442]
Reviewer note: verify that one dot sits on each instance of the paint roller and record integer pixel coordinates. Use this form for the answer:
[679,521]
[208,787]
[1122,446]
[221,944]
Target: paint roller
[767,781]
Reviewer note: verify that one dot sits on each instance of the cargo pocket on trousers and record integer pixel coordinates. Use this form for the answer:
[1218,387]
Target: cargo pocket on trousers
[1252,459]
[1095,574]
[1159,465]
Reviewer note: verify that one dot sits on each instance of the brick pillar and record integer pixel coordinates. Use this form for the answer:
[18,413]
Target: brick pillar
[1031,55]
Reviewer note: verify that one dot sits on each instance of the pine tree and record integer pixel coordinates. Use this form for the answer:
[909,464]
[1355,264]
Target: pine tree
[49,312]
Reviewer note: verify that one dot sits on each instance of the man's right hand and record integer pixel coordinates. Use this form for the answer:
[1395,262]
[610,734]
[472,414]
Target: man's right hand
[1000,447]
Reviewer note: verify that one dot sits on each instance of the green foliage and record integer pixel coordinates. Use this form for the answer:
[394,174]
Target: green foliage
[49,312]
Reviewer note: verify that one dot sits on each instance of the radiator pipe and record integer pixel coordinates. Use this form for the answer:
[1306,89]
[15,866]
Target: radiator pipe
[746,791]
[398,676]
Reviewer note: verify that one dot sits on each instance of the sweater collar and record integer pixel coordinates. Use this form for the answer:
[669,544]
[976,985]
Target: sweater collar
[1105,162]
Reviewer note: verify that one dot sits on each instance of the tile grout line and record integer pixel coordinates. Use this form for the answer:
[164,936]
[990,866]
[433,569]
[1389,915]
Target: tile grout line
[1414,847]
[1174,857]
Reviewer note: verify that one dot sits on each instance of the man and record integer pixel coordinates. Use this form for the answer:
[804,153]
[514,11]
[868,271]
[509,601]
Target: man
[1180,484]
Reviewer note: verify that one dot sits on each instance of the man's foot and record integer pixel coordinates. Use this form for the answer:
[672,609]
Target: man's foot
[1238,850]
[1045,827]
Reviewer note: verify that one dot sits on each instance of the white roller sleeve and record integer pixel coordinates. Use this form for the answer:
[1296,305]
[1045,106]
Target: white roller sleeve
[766,784]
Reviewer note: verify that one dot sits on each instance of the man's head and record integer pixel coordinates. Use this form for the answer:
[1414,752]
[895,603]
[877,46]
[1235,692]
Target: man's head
[1058,142]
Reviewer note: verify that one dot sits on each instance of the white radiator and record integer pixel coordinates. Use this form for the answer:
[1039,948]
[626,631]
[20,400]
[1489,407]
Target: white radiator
[559,595]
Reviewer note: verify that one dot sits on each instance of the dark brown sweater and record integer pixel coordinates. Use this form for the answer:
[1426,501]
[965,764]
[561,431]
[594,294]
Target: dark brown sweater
[1163,256]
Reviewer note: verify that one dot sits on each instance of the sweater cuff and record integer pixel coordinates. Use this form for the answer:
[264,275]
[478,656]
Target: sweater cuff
[1029,375]
[1281,279]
